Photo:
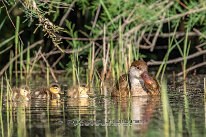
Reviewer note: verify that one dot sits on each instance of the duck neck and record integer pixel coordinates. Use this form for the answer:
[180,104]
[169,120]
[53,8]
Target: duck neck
[136,86]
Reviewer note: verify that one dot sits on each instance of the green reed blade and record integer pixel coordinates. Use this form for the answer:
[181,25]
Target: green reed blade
[6,41]
[11,65]
[47,76]
[2,82]
[27,60]
[21,61]
[180,127]
[107,12]
[165,106]
[16,46]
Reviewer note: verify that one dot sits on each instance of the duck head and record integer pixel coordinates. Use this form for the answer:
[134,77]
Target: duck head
[138,75]
[55,89]
[25,92]
[83,91]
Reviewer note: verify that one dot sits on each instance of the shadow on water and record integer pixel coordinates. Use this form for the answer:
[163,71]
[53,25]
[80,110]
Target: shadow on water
[180,111]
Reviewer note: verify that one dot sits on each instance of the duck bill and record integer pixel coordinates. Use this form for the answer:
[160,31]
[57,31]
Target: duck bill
[146,77]
[60,92]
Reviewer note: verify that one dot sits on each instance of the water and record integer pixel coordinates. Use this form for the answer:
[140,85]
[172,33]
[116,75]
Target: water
[106,116]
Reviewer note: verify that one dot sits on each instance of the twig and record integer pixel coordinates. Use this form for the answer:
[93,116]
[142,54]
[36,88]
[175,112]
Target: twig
[177,59]
[199,33]
[164,20]
[35,60]
[92,67]
[10,18]
[95,19]
[57,61]
[8,14]
[198,47]
[24,51]
[193,67]
[177,34]
[67,13]
[40,71]
[52,73]
[156,36]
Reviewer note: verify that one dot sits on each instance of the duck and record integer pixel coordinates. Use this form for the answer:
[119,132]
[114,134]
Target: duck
[77,91]
[47,93]
[137,82]
[20,94]
[154,88]
[122,87]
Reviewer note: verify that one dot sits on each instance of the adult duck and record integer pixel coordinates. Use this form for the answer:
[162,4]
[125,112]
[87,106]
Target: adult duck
[137,82]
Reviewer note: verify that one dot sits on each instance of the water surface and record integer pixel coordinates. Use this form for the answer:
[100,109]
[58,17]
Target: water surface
[106,116]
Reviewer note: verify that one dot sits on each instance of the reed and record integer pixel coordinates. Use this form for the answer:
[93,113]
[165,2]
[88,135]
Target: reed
[16,46]
[27,60]
[204,89]
[21,122]
[1,119]
[185,53]
[9,108]
[97,80]
[47,76]
[89,73]
[2,124]
[112,58]
[165,107]
[73,70]
[180,127]
[187,112]
[77,68]
[120,44]
[170,48]
[11,65]
[2,83]
[21,61]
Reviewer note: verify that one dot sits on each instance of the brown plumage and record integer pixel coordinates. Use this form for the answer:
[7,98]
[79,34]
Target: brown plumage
[140,83]
[78,91]
[154,88]
[121,88]
[20,94]
[47,93]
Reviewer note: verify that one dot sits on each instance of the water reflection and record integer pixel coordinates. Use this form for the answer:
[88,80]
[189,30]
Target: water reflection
[105,116]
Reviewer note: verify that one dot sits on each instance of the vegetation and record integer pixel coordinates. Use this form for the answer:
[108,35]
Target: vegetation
[99,39]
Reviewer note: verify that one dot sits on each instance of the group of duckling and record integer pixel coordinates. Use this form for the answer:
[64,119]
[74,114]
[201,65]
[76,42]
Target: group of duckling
[137,83]
[53,92]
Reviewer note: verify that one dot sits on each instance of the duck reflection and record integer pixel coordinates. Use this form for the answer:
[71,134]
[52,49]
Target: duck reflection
[143,109]
[78,105]
[46,114]
[140,110]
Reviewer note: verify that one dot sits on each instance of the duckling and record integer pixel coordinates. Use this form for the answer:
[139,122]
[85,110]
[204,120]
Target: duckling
[81,91]
[48,93]
[21,94]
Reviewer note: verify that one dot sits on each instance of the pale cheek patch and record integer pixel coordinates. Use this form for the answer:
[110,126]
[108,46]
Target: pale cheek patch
[133,72]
